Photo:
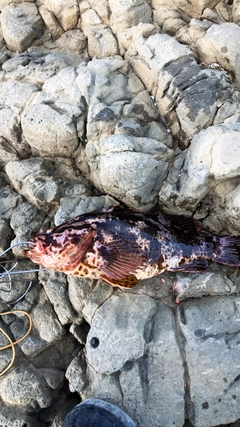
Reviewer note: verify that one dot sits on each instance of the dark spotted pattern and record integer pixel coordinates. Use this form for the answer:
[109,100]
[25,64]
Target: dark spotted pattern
[122,247]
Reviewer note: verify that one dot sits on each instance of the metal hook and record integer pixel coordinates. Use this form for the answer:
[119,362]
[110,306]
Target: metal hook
[8,273]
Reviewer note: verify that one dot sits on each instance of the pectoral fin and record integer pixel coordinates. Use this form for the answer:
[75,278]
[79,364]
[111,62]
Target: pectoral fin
[121,260]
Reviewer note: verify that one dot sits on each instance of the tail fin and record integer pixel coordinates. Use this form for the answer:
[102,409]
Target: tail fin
[226,249]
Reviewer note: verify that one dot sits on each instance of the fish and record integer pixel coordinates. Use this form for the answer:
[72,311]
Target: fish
[122,247]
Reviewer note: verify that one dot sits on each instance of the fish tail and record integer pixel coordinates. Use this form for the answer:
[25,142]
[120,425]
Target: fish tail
[226,249]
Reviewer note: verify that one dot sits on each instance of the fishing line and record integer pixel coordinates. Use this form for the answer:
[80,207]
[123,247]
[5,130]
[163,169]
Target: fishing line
[13,343]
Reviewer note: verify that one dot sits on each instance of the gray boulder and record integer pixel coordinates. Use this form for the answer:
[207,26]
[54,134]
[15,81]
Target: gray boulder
[21,24]
[187,96]
[211,329]
[131,362]
[218,45]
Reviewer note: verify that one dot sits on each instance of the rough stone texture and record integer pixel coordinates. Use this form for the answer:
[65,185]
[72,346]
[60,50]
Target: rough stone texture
[14,96]
[21,24]
[144,328]
[186,95]
[101,41]
[218,45]
[207,164]
[109,102]
[211,328]
[66,13]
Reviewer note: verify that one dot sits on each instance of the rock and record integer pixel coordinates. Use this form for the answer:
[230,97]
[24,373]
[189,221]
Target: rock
[208,283]
[101,41]
[5,235]
[45,320]
[7,152]
[46,180]
[218,46]
[21,24]
[75,41]
[193,31]
[129,14]
[121,135]
[170,20]
[51,22]
[55,286]
[10,200]
[208,163]
[236,11]
[102,353]
[224,11]
[25,221]
[17,391]
[211,329]
[178,84]
[140,161]
[101,292]
[71,207]
[36,67]
[66,13]
[132,346]
[47,330]
[79,289]
[11,416]
[57,138]
[14,96]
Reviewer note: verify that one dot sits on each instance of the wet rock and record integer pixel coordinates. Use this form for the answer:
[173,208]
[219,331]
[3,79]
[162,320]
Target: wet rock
[217,45]
[21,24]
[186,95]
[211,329]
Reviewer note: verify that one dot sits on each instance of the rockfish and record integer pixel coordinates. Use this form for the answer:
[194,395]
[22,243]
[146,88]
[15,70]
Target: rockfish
[122,247]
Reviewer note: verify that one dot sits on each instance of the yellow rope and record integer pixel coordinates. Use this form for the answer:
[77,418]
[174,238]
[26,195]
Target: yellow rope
[13,343]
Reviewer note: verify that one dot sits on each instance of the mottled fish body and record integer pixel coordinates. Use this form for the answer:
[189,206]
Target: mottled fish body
[122,247]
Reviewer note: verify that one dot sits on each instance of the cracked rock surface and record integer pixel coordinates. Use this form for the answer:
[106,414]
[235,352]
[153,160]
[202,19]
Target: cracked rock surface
[105,102]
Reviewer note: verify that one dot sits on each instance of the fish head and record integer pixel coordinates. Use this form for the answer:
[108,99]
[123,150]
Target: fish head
[62,251]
